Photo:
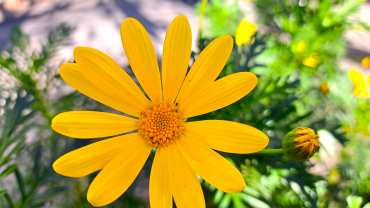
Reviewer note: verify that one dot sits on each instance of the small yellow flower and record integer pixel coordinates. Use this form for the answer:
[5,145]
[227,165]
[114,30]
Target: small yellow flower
[182,148]
[334,177]
[365,62]
[245,31]
[301,46]
[312,61]
[301,144]
[361,87]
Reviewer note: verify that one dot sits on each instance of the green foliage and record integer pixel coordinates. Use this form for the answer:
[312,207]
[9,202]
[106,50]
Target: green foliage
[223,17]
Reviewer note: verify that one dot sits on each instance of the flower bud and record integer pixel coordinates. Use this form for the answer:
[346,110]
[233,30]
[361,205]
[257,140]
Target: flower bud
[301,144]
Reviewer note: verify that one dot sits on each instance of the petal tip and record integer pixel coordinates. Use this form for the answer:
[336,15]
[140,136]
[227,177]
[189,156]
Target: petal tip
[181,17]
[95,203]
[128,21]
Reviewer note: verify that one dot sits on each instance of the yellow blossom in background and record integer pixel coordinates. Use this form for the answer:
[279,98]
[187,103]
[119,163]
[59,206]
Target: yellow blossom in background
[358,28]
[365,62]
[312,61]
[324,88]
[245,31]
[301,46]
[361,88]
[334,177]
[183,149]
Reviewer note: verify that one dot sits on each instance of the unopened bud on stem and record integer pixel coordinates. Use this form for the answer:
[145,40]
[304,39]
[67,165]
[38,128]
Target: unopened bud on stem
[301,144]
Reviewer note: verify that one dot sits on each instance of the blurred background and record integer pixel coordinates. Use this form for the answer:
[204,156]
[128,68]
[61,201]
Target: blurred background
[312,58]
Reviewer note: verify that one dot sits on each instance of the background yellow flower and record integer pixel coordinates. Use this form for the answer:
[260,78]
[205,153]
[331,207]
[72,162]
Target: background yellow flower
[245,31]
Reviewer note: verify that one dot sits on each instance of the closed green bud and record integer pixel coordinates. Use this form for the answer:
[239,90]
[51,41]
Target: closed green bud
[301,144]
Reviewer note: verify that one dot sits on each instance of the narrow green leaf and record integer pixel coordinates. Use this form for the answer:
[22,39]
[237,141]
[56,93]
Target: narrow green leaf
[253,202]
[8,170]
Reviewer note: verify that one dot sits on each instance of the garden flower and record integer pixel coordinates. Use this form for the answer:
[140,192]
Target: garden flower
[182,148]
[301,46]
[301,144]
[245,32]
[312,61]
[324,88]
[361,87]
[365,62]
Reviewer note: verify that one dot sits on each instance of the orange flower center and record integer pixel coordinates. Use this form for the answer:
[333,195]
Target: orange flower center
[160,124]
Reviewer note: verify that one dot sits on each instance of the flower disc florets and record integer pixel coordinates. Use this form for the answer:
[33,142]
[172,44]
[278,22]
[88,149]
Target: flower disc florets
[160,124]
[301,144]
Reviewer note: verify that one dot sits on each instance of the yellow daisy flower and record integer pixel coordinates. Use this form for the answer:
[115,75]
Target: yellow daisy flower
[182,148]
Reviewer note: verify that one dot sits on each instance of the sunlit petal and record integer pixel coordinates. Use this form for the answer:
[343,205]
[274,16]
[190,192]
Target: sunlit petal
[72,74]
[159,185]
[211,166]
[106,74]
[118,174]
[92,124]
[176,56]
[221,93]
[228,136]
[185,185]
[93,157]
[205,69]
[141,55]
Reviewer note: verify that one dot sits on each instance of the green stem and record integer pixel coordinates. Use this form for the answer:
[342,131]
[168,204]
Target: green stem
[9,200]
[270,151]
[20,183]
[202,11]
[24,202]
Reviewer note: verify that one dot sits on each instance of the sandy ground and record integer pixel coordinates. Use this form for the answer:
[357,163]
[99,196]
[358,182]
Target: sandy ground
[97,22]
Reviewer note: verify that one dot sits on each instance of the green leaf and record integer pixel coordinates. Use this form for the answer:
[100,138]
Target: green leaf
[254,202]
[8,170]
[2,192]
[367,205]
[225,202]
[218,196]
[354,201]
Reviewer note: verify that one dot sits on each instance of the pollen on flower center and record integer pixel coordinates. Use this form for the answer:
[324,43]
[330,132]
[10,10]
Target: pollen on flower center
[160,124]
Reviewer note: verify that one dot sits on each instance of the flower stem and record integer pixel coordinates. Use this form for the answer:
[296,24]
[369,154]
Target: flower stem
[202,11]
[9,200]
[270,151]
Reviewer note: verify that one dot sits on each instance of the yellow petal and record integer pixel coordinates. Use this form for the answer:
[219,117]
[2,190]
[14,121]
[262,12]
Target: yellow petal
[92,124]
[228,136]
[141,55]
[185,185]
[176,56]
[110,78]
[93,157]
[221,93]
[205,69]
[119,173]
[74,77]
[159,185]
[211,166]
